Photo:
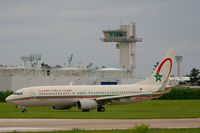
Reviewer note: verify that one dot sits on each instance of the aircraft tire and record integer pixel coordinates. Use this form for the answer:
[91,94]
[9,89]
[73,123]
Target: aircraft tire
[24,110]
[101,109]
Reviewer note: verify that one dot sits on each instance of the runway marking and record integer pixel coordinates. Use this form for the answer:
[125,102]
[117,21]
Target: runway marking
[25,125]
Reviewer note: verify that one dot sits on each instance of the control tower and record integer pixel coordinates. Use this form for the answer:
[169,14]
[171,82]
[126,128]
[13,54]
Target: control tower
[125,38]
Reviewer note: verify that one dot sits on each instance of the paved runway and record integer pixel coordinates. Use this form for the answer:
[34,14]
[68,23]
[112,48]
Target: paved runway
[8,125]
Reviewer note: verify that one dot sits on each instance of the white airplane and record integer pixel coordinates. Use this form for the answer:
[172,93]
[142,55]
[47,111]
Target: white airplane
[89,97]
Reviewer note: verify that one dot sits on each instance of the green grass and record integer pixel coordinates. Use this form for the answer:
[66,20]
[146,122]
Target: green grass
[189,130]
[148,109]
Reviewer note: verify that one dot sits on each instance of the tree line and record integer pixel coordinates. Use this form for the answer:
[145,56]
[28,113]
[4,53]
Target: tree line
[4,94]
[181,93]
[194,77]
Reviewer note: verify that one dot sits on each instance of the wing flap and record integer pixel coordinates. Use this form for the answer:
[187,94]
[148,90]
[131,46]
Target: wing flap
[107,98]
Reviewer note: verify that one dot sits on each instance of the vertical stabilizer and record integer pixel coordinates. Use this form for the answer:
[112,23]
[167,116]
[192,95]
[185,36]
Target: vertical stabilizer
[162,72]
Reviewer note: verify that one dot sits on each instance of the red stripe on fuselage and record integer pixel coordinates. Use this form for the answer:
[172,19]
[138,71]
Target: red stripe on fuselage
[71,97]
[58,97]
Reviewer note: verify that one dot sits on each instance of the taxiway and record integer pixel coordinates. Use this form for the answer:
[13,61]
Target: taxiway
[20,125]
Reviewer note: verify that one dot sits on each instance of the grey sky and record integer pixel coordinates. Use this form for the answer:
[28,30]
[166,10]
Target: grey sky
[58,28]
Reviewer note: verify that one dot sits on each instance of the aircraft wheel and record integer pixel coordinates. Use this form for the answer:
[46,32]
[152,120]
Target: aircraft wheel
[24,110]
[101,109]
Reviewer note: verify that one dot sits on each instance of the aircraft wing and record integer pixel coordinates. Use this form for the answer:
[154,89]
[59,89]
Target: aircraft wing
[109,99]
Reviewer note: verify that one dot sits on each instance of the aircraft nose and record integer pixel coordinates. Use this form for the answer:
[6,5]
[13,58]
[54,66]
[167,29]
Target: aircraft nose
[9,98]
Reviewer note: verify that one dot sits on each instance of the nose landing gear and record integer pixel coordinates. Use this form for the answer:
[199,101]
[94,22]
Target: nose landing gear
[23,109]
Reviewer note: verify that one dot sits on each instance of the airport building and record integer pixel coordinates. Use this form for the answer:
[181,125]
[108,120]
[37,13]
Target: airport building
[32,72]
[125,38]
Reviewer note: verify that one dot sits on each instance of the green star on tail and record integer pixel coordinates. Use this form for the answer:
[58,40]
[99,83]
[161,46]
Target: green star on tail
[158,77]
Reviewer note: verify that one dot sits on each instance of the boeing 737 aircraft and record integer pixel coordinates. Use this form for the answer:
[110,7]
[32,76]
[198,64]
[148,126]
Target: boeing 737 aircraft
[89,97]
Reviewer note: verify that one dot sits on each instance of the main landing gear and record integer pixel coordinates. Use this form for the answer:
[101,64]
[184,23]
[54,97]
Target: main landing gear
[23,109]
[101,109]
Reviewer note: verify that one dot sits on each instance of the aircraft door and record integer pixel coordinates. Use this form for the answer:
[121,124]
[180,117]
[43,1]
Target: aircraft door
[33,95]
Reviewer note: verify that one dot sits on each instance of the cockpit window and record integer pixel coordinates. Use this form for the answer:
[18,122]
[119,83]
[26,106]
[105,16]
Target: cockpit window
[18,93]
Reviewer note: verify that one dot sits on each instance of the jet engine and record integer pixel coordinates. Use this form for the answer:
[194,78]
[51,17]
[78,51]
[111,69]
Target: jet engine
[87,104]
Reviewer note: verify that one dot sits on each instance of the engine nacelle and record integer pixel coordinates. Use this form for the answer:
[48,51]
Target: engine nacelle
[61,107]
[86,104]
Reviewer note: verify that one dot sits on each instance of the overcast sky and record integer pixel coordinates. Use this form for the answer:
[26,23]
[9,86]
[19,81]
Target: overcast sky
[58,28]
